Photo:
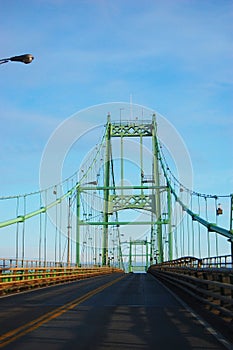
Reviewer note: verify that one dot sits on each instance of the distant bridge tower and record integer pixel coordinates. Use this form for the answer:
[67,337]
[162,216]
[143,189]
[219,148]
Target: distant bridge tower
[147,192]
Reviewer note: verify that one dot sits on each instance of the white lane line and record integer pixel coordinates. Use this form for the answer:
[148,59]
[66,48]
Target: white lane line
[205,324]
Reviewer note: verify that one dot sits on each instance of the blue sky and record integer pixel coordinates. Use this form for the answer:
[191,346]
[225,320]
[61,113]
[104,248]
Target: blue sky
[171,56]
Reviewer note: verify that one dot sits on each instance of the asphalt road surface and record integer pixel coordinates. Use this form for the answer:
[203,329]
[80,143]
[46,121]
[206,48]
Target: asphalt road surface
[119,311]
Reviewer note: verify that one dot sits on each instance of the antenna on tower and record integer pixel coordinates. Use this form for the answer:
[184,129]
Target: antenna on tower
[131,107]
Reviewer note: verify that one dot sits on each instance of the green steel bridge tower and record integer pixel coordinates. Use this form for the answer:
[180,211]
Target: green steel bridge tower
[124,207]
[145,195]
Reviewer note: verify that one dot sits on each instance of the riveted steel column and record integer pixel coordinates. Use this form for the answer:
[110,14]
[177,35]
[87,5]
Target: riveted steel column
[78,226]
[170,246]
[106,193]
[130,256]
[157,191]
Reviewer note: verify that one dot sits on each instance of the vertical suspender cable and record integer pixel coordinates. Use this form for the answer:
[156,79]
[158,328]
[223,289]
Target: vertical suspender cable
[68,231]
[181,232]
[17,234]
[199,227]
[216,235]
[188,232]
[56,230]
[175,231]
[208,233]
[193,240]
[166,243]
[23,232]
[40,232]
[183,235]
[60,227]
[71,230]
[45,231]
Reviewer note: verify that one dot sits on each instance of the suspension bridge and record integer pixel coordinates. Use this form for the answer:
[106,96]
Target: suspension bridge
[126,209]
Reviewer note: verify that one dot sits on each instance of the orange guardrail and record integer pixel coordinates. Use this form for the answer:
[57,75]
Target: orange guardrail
[19,278]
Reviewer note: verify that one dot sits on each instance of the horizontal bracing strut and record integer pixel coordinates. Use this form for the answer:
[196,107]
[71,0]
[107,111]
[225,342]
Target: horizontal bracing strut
[117,223]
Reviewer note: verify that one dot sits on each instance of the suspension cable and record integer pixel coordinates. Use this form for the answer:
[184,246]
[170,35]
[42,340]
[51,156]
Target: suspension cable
[163,159]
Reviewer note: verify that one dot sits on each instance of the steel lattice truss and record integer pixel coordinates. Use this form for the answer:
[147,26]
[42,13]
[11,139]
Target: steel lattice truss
[131,130]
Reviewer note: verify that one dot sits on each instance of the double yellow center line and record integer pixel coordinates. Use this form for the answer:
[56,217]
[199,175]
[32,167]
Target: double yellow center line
[14,334]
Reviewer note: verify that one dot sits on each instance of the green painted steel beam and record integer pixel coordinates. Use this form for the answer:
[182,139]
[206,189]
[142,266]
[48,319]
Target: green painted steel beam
[101,188]
[11,221]
[116,223]
[22,218]
[210,226]
[77,227]
[130,129]
[140,242]
[156,175]
[106,192]
[170,245]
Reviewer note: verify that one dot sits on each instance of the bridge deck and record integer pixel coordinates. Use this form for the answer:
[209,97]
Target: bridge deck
[132,311]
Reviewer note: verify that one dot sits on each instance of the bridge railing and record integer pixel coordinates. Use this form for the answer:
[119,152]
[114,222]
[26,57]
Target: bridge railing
[212,284]
[190,261]
[217,261]
[14,279]
[12,262]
